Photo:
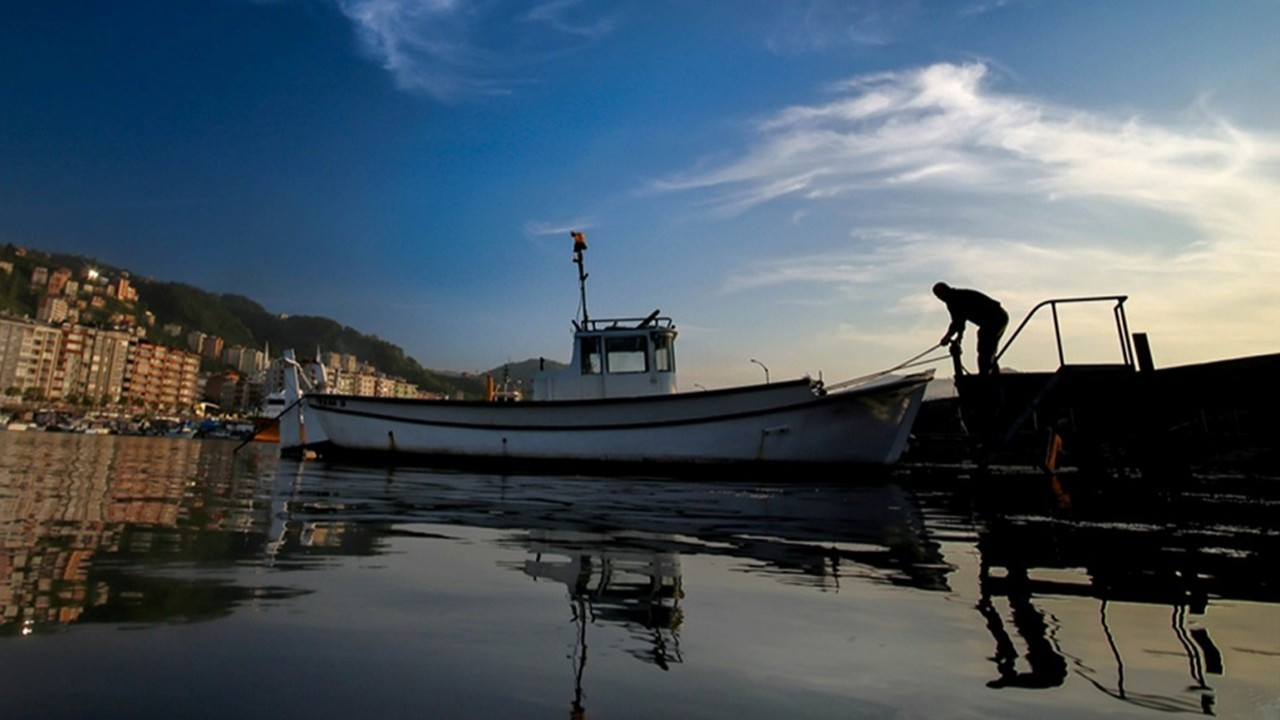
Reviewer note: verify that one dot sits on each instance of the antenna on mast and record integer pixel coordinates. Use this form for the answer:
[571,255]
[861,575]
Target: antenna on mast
[580,245]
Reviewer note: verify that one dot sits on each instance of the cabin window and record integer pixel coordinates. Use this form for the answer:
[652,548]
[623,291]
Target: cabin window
[591,362]
[627,354]
[663,358]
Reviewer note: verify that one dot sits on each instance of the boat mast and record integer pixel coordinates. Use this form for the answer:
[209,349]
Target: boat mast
[579,245]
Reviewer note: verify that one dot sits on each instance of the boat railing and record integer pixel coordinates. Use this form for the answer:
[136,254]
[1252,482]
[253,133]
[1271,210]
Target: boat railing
[1122,325]
[601,324]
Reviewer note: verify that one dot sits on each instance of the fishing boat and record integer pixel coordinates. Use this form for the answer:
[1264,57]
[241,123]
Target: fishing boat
[617,403]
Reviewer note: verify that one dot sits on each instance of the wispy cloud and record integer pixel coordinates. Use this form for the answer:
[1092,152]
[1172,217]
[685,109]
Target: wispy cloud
[816,25]
[450,49]
[982,7]
[542,227]
[562,16]
[950,179]
[940,129]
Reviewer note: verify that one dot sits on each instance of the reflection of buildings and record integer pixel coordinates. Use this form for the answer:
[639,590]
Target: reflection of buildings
[55,517]
[70,504]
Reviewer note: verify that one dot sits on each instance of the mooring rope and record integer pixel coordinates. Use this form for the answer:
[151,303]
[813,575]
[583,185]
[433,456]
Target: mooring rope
[909,362]
[264,428]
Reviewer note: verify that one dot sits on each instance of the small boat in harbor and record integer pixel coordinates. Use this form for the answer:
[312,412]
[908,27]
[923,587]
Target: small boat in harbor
[617,404]
[266,425]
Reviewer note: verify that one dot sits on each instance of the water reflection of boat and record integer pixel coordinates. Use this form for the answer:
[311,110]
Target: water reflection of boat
[640,591]
[1054,652]
[617,404]
[813,535]
[428,576]
[1163,556]
[634,589]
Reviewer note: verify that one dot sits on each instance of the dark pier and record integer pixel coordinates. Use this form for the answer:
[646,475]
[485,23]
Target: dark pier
[1216,416]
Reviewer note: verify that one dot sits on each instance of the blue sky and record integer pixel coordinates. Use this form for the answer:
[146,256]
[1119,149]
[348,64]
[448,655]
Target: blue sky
[786,178]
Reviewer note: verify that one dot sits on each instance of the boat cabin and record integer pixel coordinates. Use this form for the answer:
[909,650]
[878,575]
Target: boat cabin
[614,357]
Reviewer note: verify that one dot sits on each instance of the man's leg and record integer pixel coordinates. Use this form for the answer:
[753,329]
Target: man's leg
[987,342]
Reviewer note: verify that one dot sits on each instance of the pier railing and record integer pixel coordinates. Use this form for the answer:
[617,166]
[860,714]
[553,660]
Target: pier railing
[1122,325]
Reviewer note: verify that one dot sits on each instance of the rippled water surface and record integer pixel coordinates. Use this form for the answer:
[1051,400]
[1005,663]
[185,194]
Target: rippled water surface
[148,577]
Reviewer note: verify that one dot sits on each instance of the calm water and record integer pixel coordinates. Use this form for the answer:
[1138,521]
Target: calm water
[147,577]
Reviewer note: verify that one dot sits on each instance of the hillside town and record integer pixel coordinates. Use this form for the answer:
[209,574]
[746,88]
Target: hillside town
[89,360]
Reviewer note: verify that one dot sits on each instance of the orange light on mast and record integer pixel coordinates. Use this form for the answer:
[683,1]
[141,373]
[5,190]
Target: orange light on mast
[580,244]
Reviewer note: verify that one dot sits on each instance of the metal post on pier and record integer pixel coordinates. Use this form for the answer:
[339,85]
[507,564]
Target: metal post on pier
[1142,348]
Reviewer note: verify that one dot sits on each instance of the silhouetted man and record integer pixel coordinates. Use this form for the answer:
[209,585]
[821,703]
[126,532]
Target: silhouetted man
[972,306]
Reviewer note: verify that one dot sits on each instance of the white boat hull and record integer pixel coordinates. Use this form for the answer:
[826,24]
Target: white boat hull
[779,423]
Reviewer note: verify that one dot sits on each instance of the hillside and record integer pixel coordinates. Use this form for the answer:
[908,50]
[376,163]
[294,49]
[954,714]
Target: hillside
[522,372]
[236,319]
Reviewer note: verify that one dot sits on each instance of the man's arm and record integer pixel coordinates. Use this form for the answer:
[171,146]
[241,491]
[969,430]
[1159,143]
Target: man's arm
[956,328]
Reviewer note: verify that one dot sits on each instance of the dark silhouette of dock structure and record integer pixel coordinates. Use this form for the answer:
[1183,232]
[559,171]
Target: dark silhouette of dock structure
[1217,415]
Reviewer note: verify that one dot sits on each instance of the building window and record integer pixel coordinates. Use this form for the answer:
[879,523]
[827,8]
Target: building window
[627,354]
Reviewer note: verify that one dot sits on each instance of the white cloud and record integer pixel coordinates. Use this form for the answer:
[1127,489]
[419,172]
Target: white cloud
[932,124]
[950,179]
[541,227]
[450,49]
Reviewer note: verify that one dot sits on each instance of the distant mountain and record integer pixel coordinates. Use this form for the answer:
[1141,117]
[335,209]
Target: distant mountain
[195,310]
[236,319]
[522,372]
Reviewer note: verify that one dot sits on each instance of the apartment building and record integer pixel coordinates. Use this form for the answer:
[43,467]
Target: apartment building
[58,280]
[52,309]
[165,379]
[371,384]
[28,357]
[122,290]
[245,360]
[92,364]
[62,362]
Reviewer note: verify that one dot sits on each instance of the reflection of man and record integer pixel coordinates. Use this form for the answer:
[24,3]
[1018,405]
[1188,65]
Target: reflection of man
[972,306]
[1047,667]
